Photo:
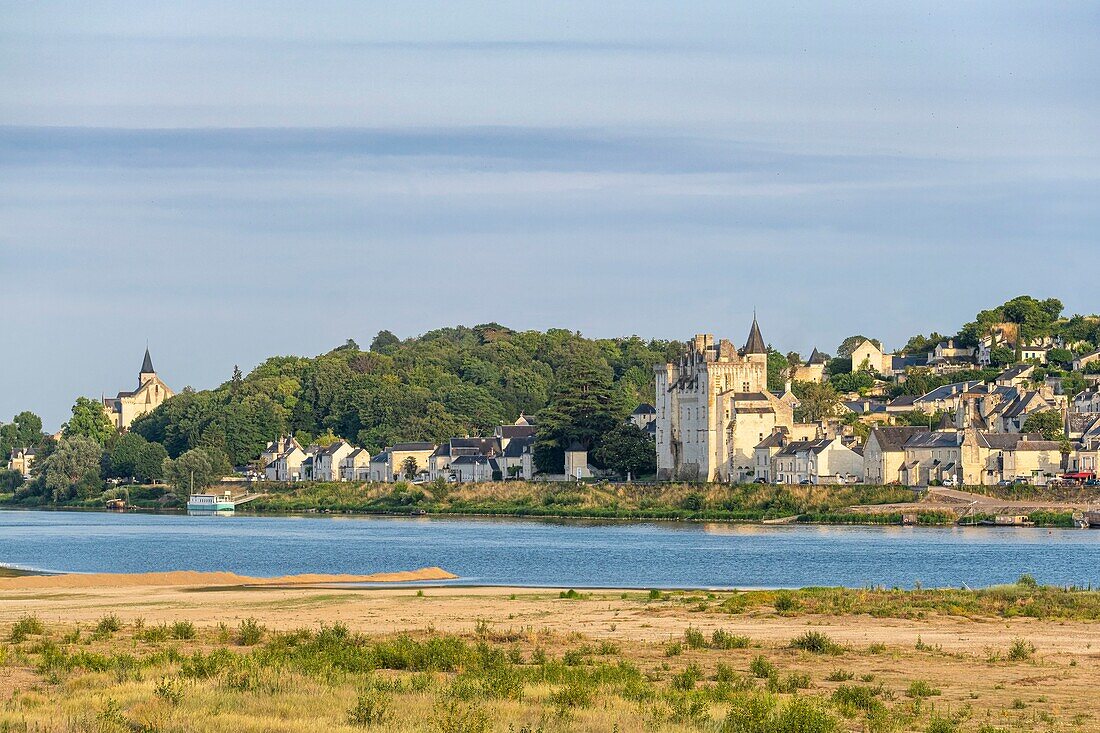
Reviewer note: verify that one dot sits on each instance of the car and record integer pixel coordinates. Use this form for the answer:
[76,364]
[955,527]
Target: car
[805,482]
[949,482]
[760,480]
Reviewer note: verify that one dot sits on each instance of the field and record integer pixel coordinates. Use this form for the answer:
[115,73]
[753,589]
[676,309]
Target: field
[271,658]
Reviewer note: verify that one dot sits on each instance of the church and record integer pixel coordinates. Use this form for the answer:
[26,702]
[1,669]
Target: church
[714,407]
[128,406]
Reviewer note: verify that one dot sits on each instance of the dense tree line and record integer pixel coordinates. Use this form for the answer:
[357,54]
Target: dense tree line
[448,382]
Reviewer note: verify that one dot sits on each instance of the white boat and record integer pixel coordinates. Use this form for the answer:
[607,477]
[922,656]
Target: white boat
[210,502]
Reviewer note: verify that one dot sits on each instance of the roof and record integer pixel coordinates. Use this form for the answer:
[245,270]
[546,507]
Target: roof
[469,460]
[1016,372]
[817,357]
[905,400]
[644,409]
[892,438]
[1017,441]
[857,406]
[383,457]
[413,446]
[939,439]
[775,440]
[481,445]
[517,446]
[800,446]
[147,364]
[755,343]
[575,447]
[331,449]
[949,390]
[516,431]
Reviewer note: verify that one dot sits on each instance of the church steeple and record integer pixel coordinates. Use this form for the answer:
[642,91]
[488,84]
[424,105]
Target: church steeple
[755,344]
[147,364]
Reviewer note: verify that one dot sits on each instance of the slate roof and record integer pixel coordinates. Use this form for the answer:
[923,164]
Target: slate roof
[517,446]
[481,445]
[1015,372]
[775,440]
[892,438]
[383,457]
[755,343]
[517,431]
[934,440]
[575,446]
[147,364]
[817,357]
[413,446]
[799,446]
[644,409]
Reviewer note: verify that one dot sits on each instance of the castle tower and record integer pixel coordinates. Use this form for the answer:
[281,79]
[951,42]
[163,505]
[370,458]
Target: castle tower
[755,351]
[147,373]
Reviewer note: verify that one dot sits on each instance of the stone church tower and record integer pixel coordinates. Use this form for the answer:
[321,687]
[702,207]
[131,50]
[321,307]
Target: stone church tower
[713,408]
[150,393]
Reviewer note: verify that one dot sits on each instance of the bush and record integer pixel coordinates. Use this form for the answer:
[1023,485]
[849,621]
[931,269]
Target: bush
[183,630]
[371,708]
[153,634]
[760,667]
[940,724]
[695,638]
[786,603]
[250,632]
[170,689]
[1020,650]
[454,716]
[26,626]
[573,695]
[857,697]
[840,675]
[815,642]
[725,640]
[108,625]
[1027,580]
[674,649]
[687,679]
[920,689]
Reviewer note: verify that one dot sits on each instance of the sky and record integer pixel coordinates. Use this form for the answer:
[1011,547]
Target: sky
[225,182]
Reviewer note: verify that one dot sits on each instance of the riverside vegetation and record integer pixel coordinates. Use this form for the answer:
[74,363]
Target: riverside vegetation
[114,675]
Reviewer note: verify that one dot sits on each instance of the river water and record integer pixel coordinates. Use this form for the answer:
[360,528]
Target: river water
[554,553]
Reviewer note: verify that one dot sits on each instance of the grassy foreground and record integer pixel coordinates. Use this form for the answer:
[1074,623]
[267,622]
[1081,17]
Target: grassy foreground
[707,670]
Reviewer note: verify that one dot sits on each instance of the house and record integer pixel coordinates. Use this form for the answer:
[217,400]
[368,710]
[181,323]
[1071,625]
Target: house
[644,415]
[439,462]
[819,461]
[713,407]
[355,466]
[285,457]
[151,392]
[1084,360]
[932,457]
[869,356]
[1088,400]
[884,453]
[1014,457]
[475,468]
[947,352]
[391,464]
[1037,354]
[326,463]
[576,462]
[813,370]
[1003,409]
[22,460]
[517,459]
[974,457]
[1015,376]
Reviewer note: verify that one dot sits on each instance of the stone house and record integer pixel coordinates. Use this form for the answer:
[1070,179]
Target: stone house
[151,392]
[474,468]
[884,453]
[22,460]
[517,459]
[576,462]
[1084,360]
[326,462]
[389,465]
[819,461]
[1088,400]
[286,460]
[355,466]
[643,416]
[813,370]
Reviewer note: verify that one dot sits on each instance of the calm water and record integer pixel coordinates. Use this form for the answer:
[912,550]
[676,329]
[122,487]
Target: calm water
[572,554]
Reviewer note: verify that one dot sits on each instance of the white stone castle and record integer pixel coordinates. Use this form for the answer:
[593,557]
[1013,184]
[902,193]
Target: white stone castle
[714,408]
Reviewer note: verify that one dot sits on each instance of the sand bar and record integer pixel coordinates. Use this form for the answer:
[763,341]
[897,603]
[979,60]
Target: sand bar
[195,578]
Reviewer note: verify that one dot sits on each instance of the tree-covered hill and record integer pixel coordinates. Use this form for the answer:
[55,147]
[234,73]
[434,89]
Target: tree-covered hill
[448,382]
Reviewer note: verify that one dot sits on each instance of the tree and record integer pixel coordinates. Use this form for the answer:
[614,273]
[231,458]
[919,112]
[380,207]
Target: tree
[409,467]
[385,342]
[848,345]
[816,401]
[124,455]
[1073,383]
[779,370]
[198,468]
[1048,422]
[921,344]
[1059,356]
[10,480]
[852,381]
[1001,356]
[89,420]
[627,449]
[150,464]
[580,406]
[73,469]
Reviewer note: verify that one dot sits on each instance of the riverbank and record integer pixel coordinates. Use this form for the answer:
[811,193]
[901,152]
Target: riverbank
[844,504]
[285,658]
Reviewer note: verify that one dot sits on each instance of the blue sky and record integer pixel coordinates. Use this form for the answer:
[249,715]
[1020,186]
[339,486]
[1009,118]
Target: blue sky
[229,181]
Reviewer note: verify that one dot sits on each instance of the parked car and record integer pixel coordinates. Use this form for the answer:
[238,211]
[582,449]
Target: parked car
[949,482]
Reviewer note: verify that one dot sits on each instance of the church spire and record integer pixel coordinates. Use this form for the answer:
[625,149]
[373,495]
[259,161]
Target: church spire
[147,365]
[755,344]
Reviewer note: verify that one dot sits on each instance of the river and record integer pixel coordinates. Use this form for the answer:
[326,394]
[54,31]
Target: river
[554,553]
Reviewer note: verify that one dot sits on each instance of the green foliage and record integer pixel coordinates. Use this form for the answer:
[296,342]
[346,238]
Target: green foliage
[72,470]
[848,345]
[580,406]
[627,449]
[920,689]
[250,632]
[815,642]
[724,640]
[852,382]
[1048,422]
[780,369]
[24,627]
[89,420]
[371,708]
[817,401]
[761,668]
[24,431]
[10,480]
[920,344]
[198,468]
[132,456]
[1020,650]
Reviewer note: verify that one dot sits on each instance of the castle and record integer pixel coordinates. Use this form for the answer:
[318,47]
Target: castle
[128,406]
[714,407]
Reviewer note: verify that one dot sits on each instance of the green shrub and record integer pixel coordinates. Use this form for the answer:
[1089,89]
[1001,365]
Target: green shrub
[154,634]
[940,724]
[454,716]
[371,708]
[250,632]
[576,694]
[816,643]
[840,675]
[1027,580]
[695,638]
[108,625]
[674,649]
[857,697]
[920,689]
[786,602]
[1020,650]
[760,667]
[725,640]
[24,627]
[687,679]
[183,630]
[170,689]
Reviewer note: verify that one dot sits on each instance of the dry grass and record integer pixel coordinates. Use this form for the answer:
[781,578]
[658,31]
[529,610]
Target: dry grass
[59,678]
